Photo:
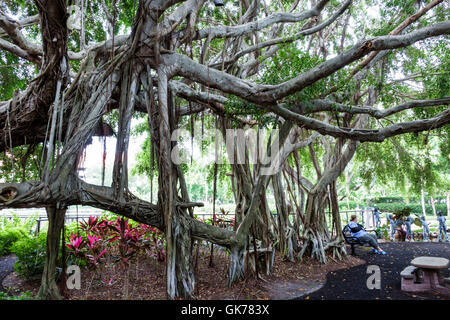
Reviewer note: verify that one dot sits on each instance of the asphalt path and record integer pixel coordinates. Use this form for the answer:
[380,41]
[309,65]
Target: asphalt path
[351,284]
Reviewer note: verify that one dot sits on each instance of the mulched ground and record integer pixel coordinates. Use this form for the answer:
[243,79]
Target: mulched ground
[147,281]
[344,280]
[350,284]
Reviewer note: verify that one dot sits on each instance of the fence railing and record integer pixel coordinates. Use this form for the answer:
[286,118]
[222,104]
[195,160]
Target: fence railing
[41,213]
[83,213]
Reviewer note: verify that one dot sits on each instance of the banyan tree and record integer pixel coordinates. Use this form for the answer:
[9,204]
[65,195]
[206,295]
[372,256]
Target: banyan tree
[327,75]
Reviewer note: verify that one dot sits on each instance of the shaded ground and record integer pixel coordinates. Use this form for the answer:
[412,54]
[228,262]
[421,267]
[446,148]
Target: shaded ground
[344,280]
[6,267]
[147,281]
[350,284]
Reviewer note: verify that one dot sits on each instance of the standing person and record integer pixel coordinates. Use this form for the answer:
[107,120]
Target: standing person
[408,221]
[390,219]
[358,231]
[425,229]
[376,213]
[442,227]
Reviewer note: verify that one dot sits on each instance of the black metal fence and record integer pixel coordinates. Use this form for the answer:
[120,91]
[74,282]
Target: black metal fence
[222,220]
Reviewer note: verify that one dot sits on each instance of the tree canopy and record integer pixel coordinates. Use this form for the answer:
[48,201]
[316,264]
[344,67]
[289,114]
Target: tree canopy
[332,78]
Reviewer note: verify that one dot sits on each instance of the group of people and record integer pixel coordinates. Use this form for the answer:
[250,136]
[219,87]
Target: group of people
[396,225]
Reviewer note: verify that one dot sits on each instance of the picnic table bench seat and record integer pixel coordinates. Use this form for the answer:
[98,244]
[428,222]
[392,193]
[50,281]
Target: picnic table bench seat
[408,272]
[409,278]
[423,275]
[447,282]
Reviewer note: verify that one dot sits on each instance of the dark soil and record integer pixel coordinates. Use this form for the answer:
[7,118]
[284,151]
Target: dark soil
[350,284]
[344,279]
[147,280]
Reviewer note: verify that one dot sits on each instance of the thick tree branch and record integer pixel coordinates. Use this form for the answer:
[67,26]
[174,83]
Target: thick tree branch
[326,105]
[266,94]
[397,30]
[375,135]
[283,40]
[247,28]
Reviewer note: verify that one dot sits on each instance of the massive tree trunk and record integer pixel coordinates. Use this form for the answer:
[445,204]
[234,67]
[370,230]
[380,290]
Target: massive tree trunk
[181,267]
[26,114]
[243,186]
[180,275]
[110,77]
[315,231]
[49,288]
[284,225]
[338,250]
[316,237]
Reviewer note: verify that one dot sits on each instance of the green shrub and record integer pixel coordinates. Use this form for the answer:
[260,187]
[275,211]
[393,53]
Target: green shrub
[386,200]
[8,237]
[28,224]
[395,206]
[27,295]
[30,254]
[382,232]
[351,205]
[415,207]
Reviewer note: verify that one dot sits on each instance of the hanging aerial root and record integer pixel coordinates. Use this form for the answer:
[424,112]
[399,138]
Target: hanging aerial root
[318,247]
[336,249]
[313,244]
[236,269]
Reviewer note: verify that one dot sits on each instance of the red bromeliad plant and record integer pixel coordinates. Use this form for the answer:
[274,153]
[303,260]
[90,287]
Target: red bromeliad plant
[76,245]
[94,258]
[96,250]
[117,239]
[91,225]
[109,242]
[128,239]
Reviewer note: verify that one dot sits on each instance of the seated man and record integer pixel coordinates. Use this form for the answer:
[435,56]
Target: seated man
[358,231]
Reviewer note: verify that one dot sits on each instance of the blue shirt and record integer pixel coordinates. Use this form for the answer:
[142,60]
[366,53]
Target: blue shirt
[358,234]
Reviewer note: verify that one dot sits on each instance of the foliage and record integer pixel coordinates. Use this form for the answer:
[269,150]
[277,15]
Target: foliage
[394,206]
[9,237]
[21,163]
[288,63]
[402,213]
[27,295]
[31,253]
[386,199]
[414,208]
[104,241]
[15,221]
[13,230]
[382,232]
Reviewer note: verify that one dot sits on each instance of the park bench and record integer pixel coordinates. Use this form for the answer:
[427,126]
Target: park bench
[351,240]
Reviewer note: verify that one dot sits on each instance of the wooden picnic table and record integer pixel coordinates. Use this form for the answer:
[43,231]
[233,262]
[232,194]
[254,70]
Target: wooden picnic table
[430,267]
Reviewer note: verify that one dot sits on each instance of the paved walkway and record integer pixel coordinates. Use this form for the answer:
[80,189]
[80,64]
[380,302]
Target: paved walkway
[350,284]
